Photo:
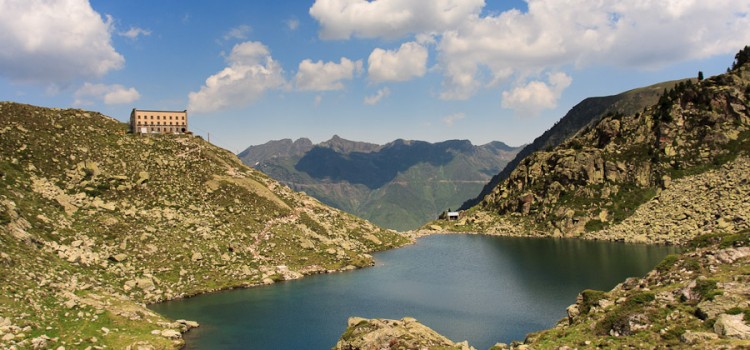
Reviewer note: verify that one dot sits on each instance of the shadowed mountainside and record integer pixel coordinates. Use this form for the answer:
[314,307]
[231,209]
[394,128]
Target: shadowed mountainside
[400,185]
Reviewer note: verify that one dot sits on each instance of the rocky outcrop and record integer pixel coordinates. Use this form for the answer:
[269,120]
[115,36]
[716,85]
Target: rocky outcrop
[585,113]
[597,179]
[407,333]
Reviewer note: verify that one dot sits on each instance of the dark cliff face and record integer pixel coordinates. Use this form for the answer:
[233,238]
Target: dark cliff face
[620,161]
[581,115]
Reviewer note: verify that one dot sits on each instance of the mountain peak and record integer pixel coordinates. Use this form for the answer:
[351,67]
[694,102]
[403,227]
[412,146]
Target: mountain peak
[341,145]
[276,148]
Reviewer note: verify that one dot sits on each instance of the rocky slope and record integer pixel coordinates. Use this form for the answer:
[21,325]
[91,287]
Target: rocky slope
[581,115]
[699,299]
[593,182]
[400,185]
[96,222]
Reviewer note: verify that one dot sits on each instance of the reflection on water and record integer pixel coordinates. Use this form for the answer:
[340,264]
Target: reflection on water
[479,288]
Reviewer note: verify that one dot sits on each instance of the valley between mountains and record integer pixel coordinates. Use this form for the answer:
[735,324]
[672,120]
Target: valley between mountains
[400,185]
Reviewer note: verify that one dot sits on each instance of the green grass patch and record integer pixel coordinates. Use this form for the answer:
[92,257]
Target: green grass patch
[312,224]
[590,297]
[667,263]
[641,298]
[4,216]
[722,239]
[673,334]
[628,199]
[692,264]
[618,317]
[594,225]
[707,288]
[736,240]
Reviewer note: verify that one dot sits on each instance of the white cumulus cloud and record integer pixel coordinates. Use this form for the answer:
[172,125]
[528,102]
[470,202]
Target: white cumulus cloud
[237,33]
[109,94]
[134,32]
[449,120]
[292,24]
[326,76]
[55,42]
[536,96]
[340,19]
[635,34]
[409,61]
[251,71]
[375,99]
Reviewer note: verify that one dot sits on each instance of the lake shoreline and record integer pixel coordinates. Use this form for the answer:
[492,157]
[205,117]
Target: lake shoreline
[411,241]
[425,233]
[341,327]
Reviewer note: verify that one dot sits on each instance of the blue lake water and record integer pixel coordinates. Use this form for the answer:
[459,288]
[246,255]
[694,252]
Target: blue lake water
[467,287]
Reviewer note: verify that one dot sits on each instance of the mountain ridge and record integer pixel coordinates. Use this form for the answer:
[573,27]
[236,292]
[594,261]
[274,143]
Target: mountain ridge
[584,113]
[400,185]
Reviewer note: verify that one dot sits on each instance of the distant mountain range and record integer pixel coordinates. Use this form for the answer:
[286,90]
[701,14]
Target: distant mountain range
[399,185]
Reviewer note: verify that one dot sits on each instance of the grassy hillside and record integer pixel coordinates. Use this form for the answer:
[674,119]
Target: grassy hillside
[95,222]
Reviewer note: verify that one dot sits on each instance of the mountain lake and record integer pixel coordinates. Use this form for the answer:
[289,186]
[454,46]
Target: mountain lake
[483,289]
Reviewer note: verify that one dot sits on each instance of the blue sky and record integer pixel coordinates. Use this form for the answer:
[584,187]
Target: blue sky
[253,71]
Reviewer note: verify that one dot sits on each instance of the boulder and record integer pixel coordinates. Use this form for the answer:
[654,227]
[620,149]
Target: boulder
[370,237]
[188,324]
[573,312]
[695,338]
[143,177]
[708,309]
[730,255]
[732,326]
[118,257]
[40,342]
[525,202]
[171,334]
[666,181]
[145,283]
